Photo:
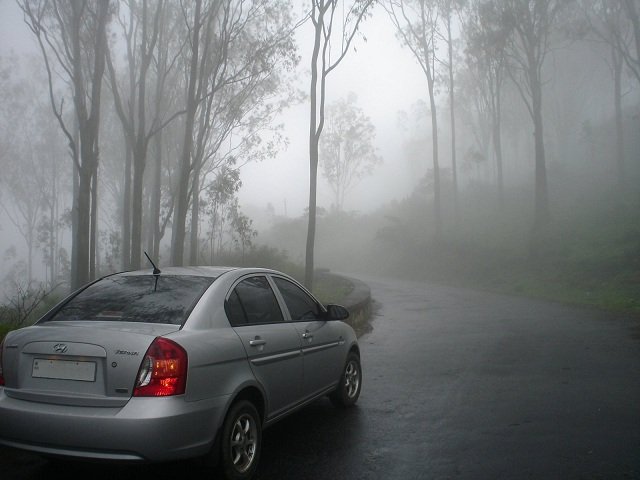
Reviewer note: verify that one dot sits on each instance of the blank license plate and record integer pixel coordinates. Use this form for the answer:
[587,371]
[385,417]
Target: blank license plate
[64,370]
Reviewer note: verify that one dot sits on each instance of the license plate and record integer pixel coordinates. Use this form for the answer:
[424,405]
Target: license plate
[64,370]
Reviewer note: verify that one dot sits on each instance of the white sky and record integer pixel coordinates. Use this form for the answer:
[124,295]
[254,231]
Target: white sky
[386,79]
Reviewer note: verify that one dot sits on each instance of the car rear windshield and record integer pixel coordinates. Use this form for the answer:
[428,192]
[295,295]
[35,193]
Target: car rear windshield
[141,298]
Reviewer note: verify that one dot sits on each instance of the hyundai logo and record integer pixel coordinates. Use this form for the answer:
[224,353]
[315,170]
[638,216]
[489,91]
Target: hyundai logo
[60,348]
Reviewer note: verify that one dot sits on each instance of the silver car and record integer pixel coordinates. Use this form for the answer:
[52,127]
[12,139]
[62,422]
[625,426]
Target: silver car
[184,363]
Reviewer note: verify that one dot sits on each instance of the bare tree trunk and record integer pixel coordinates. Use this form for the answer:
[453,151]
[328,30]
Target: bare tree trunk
[497,142]
[155,197]
[541,217]
[83,207]
[29,257]
[313,153]
[126,208]
[53,215]
[182,200]
[453,115]
[75,173]
[136,217]
[195,217]
[311,227]
[140,148]
[617,95]
[93,240]
[437,206]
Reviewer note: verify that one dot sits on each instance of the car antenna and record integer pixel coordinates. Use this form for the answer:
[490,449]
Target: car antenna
[156,270]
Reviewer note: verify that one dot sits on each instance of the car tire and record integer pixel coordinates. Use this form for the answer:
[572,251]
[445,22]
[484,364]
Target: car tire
[241,442]
[348,390]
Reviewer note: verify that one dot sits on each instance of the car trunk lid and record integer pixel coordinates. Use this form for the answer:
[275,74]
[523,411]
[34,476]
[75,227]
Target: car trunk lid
[78,363]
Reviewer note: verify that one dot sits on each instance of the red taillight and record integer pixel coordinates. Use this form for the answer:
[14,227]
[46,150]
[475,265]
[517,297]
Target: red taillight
[1,371]
[163,371]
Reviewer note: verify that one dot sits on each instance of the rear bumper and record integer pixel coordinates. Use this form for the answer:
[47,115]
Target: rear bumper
[145,429]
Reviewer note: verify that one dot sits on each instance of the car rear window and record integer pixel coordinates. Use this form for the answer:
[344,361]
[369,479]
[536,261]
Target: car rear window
[141,298]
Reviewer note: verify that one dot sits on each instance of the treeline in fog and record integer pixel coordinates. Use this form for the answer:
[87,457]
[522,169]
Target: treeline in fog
[127,129]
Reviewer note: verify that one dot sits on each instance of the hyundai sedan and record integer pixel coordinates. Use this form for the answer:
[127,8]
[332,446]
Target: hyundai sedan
[187,362]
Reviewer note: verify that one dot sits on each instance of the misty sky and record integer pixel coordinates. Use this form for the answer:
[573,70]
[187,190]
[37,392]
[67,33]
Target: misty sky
[386,80]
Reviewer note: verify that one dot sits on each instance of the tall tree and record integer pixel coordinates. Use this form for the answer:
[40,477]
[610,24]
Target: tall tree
[530,25]
[141,32]
[169,88]
[486,41]
[607,22]
[346,147]
[328,32]
[72,40]
[248,48]
[193,93]
[416,22]
[631,50]
[449,7]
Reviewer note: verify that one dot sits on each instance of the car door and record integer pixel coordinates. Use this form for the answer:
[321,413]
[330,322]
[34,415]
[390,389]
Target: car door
[321,339]
[272,345]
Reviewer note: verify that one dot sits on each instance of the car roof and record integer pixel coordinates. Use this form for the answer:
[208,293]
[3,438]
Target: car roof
[184,271]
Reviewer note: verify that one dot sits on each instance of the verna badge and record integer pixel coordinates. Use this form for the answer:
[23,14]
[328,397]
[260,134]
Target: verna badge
[60,348]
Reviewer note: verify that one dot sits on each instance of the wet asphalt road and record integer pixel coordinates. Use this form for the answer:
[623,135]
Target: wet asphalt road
[458,384]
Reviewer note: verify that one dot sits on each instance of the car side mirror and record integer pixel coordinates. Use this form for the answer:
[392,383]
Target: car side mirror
[337,312]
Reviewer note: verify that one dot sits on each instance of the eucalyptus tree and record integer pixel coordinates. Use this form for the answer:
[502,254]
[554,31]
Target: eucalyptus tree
[530,25]
[631,51]
[140,23]
[242,231]
[607,22]
[347,151]
[218,196]
[167,103]
[250,51]
[449,9]
[331,34]
[486,63]
[417,25]
[21,188]
[236,48]
[72,40]
[32,182]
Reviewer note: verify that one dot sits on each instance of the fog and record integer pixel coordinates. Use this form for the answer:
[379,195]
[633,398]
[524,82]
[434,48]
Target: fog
[548,206]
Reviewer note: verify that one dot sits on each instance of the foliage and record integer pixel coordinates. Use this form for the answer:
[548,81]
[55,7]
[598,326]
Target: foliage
[241,230]
[347,150]
[220,198]
[25,305]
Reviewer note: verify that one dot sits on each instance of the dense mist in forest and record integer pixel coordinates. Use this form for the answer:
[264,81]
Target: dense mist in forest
[490,143]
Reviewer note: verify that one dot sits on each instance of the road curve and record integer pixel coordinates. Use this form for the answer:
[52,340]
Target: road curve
[458,384]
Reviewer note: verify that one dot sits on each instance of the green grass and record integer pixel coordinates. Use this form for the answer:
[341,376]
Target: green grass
[331,288]
[4,329]
[589,253]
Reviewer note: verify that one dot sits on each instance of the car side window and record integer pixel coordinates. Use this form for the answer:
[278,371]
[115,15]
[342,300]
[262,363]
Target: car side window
[252,302]
[301,306]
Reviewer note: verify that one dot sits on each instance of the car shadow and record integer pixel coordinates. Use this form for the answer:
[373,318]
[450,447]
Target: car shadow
[315,440]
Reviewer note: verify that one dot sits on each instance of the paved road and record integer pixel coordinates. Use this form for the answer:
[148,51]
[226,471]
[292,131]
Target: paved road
[458,384]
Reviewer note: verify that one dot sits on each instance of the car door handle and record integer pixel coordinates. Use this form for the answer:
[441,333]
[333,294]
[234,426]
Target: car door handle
[307,335]
[257,342]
